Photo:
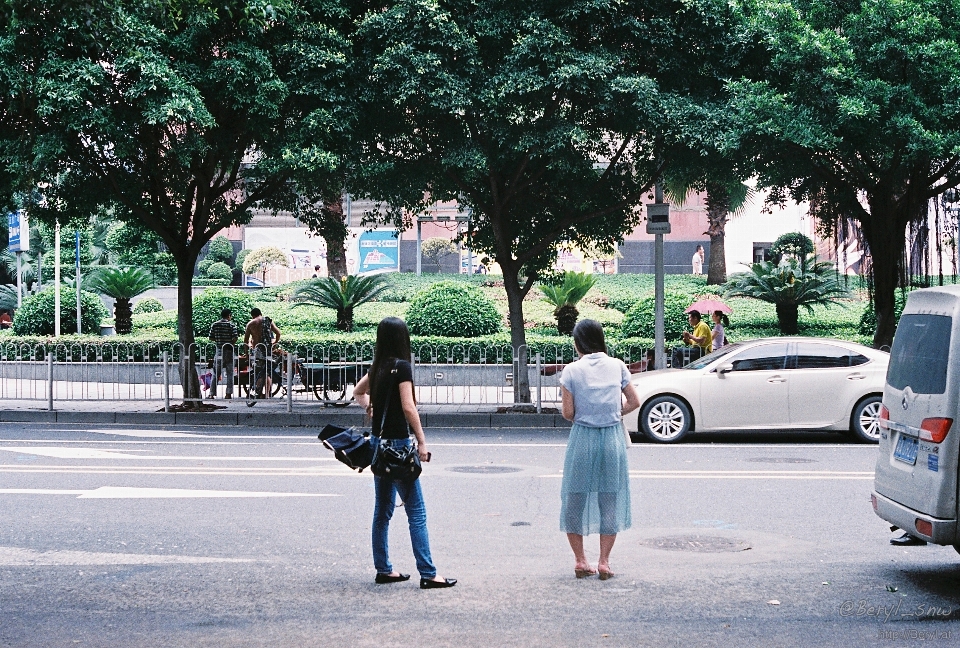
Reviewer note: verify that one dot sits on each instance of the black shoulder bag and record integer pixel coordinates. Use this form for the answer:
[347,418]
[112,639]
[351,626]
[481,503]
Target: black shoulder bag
[402,464]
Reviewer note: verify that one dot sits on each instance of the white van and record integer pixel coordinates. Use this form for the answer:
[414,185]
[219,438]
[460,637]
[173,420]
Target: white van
[915,487]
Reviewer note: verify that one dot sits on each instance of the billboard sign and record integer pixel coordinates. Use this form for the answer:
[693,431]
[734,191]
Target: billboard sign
[19,232]
[379,251]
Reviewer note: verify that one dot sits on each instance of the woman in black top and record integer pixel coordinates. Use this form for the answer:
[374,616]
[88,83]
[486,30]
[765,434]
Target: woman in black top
[390,384]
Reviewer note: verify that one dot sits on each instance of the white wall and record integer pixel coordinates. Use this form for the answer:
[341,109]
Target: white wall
[753,226]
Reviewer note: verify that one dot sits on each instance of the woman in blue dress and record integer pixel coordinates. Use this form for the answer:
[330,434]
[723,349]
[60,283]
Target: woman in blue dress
[595,492]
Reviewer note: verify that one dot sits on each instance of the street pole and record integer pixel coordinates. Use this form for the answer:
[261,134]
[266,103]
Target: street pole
[56,281]
[660,360]
[76,277]
[419,255]
[19,281]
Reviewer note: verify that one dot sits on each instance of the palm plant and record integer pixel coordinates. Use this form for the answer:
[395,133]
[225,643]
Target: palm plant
[564,297]
[342,295]
[8,297]
[792,283]
[122,284]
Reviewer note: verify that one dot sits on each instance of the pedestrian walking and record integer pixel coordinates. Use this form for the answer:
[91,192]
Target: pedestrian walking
[697,261]
[595,492]
[224,335]
[260,336]
[386,393]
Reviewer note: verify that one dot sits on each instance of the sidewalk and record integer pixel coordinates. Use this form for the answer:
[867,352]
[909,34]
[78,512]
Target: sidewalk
[266,413]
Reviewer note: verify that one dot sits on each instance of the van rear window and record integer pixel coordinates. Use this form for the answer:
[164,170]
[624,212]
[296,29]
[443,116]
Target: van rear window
[920,352]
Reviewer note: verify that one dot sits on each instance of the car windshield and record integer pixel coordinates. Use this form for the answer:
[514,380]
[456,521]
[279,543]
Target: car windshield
[710,358]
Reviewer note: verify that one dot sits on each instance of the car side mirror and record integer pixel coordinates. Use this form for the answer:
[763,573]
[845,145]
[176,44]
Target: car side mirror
[724,369]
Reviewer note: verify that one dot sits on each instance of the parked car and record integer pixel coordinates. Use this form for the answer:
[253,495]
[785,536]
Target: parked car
[915,486]
[770,383]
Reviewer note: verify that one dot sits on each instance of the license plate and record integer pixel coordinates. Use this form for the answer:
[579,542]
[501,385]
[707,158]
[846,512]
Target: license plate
[906,450]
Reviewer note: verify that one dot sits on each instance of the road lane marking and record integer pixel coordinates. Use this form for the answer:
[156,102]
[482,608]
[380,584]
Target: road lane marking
[132,492]
[39,491]
[90,453]
[140,433]
[742,474]
[181,470]
[17,557]
[71,453]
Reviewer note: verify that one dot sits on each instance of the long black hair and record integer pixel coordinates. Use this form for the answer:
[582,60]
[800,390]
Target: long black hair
[588,337]
[393,343]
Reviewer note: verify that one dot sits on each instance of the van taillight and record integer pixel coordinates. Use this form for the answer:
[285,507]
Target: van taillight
[884,416]
[935,429]
[924,527]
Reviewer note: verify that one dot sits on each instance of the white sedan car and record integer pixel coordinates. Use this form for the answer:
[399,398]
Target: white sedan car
[795,383]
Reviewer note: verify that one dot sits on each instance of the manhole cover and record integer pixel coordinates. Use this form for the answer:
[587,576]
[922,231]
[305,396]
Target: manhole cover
[519,524]
[782,460]
[485,470]
[697,543]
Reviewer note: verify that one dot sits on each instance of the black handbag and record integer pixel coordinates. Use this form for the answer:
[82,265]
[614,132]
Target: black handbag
[402,464]
[349,446]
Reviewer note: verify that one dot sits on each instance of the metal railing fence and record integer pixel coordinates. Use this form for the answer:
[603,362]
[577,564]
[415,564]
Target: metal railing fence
[300,373]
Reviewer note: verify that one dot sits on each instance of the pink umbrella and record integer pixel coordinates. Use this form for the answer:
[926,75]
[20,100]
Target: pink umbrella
[706,306]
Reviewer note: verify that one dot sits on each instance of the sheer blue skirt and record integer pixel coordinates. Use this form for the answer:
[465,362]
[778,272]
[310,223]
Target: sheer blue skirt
[595,492]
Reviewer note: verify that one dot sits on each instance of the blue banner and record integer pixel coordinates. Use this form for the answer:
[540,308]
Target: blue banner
[19,232]
[379,252]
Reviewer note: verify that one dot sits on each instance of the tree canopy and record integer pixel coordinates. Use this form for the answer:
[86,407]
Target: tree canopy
[550,120]
[180,115]
[857,113]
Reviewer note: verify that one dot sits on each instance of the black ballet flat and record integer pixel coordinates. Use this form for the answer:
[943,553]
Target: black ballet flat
[426,583]
[383,579]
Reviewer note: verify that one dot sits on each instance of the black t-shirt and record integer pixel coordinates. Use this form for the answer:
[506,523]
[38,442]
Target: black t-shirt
[395,424]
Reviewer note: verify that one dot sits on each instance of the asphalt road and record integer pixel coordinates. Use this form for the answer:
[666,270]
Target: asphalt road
[133,537]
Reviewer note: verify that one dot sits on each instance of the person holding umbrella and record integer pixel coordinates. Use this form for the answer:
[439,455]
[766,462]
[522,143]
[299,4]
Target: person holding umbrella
[718,314]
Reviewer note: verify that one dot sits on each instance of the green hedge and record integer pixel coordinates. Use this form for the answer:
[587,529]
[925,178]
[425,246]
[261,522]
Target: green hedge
[36,315]
[208,304]
[147,305]
[219,270]
[453,309]
[639,320]
[621,292]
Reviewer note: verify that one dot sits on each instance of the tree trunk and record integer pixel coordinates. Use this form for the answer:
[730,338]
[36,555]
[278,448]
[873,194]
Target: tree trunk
[788,318]
[189,380]
[335,236]
[123,316]
[518,335]
[345,319]
[884,233]
[718,207]
[566,319]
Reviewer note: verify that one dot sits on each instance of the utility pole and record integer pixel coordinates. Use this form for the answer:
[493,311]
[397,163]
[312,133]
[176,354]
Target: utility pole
[56,280]
[658,224]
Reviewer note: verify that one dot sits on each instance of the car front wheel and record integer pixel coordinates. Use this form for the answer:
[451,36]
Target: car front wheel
[665,419]
[865,420]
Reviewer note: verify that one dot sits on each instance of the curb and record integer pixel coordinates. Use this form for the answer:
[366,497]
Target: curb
[283,419]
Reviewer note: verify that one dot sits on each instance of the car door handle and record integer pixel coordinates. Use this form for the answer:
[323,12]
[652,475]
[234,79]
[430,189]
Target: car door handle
[776,379]
[856,376]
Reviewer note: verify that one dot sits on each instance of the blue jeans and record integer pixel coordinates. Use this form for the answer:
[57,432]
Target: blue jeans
[412,498]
